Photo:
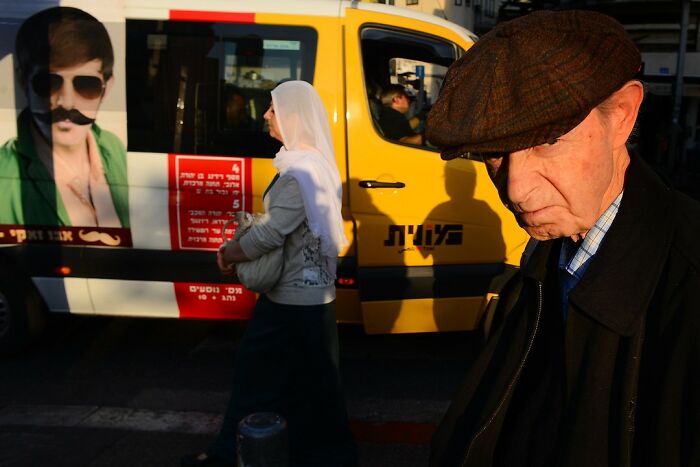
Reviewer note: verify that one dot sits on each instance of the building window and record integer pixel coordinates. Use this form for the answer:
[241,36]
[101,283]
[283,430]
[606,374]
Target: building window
[411,2]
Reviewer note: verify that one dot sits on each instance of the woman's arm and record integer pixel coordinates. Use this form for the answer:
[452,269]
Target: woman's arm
[285,213]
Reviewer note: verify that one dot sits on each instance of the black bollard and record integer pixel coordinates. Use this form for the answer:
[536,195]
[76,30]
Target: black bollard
[262,441]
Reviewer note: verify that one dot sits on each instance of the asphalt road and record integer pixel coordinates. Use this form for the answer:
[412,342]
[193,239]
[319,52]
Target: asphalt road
[141,392]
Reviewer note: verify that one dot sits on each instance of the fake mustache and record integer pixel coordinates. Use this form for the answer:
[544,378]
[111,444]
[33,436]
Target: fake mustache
[60,114]
[93,236]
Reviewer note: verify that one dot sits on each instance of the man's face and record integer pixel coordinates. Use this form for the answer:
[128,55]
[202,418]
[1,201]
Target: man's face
[65,101]
[560,190]
[401,103]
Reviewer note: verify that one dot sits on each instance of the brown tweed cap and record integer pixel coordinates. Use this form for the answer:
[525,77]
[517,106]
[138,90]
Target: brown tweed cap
[529,81]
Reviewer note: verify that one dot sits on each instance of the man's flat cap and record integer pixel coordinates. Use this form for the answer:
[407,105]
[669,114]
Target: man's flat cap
[530,80]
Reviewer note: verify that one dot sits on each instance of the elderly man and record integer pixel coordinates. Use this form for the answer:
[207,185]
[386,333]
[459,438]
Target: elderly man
[62,169]
[597,361]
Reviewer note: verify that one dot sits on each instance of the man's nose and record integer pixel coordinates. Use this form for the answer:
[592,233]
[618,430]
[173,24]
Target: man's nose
[65,97]
[520,178]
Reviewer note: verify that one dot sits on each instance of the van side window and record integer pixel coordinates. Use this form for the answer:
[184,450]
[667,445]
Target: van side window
[202,88]
[403,74]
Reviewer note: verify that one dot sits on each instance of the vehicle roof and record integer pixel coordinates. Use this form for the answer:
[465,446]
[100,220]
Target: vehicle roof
[159,9]
[413,14]
[333,8]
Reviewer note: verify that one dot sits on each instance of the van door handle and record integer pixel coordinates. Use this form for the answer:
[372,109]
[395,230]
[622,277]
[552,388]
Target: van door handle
[378,184]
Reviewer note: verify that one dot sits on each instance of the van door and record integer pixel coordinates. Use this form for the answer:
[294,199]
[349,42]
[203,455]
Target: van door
[431,235]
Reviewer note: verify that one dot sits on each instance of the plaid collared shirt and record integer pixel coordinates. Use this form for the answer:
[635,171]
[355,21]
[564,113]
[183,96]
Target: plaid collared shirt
[572,270]
[591,242]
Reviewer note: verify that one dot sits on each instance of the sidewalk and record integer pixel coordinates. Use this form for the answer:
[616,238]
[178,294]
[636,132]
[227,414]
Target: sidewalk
[111,436]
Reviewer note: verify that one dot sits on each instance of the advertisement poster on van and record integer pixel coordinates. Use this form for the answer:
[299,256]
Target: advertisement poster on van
[63,161]
[68,180]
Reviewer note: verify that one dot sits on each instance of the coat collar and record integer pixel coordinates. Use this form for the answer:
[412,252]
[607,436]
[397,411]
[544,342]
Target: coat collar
[620,281]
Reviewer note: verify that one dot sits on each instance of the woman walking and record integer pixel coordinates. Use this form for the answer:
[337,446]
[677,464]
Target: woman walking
[288,359]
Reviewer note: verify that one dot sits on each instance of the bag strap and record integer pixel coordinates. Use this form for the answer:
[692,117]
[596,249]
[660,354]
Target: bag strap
[275,178]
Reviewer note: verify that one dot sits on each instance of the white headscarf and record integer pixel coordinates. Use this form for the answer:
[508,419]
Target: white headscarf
[307,155]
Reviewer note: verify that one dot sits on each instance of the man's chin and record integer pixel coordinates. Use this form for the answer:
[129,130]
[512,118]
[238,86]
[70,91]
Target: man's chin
[551,233]
[68,136]
[543,233]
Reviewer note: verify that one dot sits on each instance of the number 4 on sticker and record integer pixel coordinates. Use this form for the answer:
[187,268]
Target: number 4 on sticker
[235,168]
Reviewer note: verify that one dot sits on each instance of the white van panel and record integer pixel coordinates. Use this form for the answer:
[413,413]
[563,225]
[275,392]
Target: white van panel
[148,200]
[8,114]
[134,298]
[65,295]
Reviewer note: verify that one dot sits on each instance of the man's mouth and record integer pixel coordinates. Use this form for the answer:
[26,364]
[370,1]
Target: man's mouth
[527,217]
[61,114]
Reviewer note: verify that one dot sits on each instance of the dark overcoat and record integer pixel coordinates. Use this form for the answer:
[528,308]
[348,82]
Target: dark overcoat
[616,383]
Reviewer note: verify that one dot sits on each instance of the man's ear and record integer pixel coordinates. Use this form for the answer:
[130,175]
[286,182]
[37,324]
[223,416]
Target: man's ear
[108,86]
[626,102]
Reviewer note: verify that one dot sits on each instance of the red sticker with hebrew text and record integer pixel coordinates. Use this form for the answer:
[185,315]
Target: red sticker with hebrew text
[205,192]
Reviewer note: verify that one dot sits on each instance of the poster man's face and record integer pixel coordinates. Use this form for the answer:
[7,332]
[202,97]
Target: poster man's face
[65,101]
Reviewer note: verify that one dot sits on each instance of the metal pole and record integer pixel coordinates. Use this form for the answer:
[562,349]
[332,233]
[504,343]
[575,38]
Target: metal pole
[677,142]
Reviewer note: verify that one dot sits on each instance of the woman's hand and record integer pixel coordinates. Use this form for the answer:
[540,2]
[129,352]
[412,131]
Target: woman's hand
[228,255]
[226,269]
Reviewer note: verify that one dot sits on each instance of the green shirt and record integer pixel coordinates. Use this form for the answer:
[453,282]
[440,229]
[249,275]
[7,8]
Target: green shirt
[29,193]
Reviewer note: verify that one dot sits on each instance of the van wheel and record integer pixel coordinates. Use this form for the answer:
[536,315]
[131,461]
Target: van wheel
[22,317]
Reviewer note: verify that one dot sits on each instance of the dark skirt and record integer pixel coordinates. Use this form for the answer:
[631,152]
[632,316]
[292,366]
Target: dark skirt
[287,363]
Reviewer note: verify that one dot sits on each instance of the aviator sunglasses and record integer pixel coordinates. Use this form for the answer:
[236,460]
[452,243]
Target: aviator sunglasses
[46,84]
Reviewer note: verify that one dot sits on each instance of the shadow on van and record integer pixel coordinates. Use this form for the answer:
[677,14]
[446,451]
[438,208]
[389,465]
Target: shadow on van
[488,249]
[391,281]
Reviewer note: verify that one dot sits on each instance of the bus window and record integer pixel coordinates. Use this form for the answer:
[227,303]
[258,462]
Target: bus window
[203,88]
[400,64]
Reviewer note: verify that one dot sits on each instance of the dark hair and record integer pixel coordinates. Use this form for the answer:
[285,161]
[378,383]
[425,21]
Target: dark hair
[62,37]
[391,91]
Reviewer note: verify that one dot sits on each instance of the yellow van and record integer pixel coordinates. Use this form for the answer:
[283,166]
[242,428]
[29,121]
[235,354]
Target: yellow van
[184,146]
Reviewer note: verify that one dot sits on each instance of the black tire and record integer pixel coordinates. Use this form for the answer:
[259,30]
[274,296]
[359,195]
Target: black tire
[22,317]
